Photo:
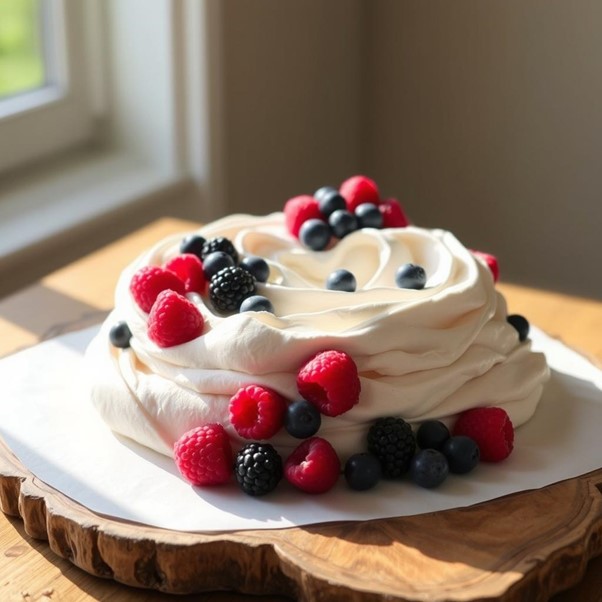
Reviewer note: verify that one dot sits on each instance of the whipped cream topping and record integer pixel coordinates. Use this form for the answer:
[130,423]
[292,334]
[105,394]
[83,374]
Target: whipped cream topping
[421,354]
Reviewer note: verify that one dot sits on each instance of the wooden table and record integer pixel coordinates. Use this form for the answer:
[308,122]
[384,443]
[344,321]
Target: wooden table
[82,292]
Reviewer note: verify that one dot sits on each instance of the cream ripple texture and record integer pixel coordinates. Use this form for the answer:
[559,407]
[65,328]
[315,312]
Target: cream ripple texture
[421,354]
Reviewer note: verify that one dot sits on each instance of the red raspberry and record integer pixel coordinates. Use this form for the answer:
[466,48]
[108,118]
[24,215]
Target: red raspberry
[149,281]
[204,455]
[491,261]
[313,466]
[359,189]
[189,269]
[174,320]
[492,430]
[393,214]
[330,381]
[298,210]
[257,412]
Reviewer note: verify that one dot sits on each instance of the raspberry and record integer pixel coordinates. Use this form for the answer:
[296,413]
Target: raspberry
[257,412]
[230,287]
[189,269]
[330,381]
[220,243]
[298,210]
[393,214]
[258,468]
[491,261]
[174,320]
[491,429]
[149,281]
[313,466]
[359,189]
[204,456]
[392,441]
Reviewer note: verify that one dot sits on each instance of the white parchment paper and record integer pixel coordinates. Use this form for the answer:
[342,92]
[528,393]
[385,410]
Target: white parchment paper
[48,422]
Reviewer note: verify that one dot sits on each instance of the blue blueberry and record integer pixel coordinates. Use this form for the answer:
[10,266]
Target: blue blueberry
[369,216]
[432,434]
[462,454]
[120,335]
[315,234]
[521,325]
[330,202]
[256,303]
[257,266]
[342,223]
[428,468]
[302,419]
[193,243]
[411,276]
[216,261]
[363,471]
[341,280]
[323,192]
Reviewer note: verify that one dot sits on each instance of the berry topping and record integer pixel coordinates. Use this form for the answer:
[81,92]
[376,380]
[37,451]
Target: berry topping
[330,381]
[369,216]
[230,287]
[391,440]
[359,189]
[411,276]
[363,471]
[341,280]
[313,466]
[393,214]
[220,243]
[120,335]
[204,456]
[428,468]
[174,320]
[193,243]
[215,262]
[256,303]
[315,234]
[299,210]
[432,434]
[323,192]
[149,281]
[462,454]
[491,261]
[521,325]
[189,269]
[257,266]
[329,202]
[257,412]
[342,223]
[258,468]
[491,429]
[302,419]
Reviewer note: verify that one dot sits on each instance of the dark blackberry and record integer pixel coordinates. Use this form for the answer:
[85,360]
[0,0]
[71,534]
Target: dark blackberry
[220,243]
[258,468]
[230,287]
[392,441]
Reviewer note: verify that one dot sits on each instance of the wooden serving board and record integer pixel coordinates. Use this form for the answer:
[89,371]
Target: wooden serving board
[526,546]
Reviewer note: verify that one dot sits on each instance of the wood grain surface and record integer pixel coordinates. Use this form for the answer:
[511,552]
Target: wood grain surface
[527,546]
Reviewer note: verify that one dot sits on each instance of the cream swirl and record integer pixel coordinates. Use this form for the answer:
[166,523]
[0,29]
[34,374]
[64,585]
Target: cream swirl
[421,354]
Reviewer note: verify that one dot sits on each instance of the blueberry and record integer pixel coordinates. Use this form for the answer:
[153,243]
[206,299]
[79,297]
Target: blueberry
[521,324]
[363,471]
[216,261]
[462,453]
[256,303]
[258,266]
[302,419]
[324,191]
[369,216]
[330,202]
[411,276]
[193,243]
[432,434]
[341,280]
[428,468]
[342,222]
[315,234]
[120,335]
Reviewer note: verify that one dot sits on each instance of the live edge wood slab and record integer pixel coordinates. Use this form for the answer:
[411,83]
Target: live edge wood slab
[527,546]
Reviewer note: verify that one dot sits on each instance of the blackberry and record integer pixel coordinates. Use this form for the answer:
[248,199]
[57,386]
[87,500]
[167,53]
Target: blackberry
[220,243]
[258,468]
[230,287]
[392,441]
